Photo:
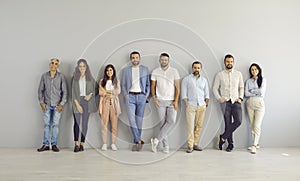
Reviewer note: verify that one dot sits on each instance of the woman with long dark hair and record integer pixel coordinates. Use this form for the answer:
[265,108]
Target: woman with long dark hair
[109,106]
[83,101]
[255,89]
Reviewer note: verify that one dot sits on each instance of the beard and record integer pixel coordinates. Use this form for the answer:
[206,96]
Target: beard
[229,66]
[135,63]
[196,73]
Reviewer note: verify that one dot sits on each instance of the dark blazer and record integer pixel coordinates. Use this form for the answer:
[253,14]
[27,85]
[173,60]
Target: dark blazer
[90,88]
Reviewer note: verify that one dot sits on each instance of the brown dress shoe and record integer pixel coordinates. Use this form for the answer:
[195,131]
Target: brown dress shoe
[55,148]
[140,145]
[43,148]
[134,147]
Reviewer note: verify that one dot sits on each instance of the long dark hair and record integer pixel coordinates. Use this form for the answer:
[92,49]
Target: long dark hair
[88,74]
[105,77]
[259,75]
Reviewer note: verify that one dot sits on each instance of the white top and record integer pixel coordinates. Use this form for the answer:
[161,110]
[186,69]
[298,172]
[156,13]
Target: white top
[165,88]
[82,86]
[229,85]
[109,85]
[135,87]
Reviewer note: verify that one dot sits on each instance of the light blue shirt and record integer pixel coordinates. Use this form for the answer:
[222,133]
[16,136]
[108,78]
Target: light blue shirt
[194,90]
[251,84]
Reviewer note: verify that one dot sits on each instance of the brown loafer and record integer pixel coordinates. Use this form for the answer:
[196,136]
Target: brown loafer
[55,148]
[43,148]
[140,145]
[134,147]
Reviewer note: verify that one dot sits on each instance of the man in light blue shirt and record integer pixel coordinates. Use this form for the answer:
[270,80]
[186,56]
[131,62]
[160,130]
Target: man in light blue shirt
[195,94]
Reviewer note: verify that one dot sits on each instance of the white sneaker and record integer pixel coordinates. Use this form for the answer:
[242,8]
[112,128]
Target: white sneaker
[257,147]
[166,150]
[154,143]
[104,147]
[114,147]
[253,150]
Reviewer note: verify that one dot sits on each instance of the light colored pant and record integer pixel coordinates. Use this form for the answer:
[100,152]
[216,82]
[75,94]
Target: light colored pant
[194,117]
[256,112]
[109,114]
[167,117]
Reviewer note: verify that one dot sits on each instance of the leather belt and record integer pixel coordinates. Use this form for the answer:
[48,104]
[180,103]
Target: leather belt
[135,93]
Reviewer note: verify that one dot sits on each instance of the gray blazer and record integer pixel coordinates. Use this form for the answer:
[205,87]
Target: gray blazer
[90,88]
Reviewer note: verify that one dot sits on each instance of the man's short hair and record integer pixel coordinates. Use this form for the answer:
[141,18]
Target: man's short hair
[196,62]
[164,55]
[228,56]
[134,52]
[54,59]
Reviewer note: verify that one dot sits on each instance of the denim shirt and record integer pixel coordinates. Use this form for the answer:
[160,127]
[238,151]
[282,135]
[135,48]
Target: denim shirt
[195,90]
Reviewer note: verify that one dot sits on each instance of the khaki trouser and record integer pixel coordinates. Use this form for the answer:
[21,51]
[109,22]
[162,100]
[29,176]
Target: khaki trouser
[109,114]
[194,117]
[256,112]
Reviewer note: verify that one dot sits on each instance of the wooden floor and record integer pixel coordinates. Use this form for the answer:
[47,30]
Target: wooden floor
[92,164]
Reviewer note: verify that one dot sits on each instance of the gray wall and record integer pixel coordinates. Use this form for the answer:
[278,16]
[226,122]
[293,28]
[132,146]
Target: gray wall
[32,32]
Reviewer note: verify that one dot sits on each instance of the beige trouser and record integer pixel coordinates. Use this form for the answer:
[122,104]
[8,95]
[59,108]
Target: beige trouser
[109,113]
[256,111]
[194,117]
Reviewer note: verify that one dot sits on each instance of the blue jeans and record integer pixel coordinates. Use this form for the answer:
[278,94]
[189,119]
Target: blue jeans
[135,110]
[231,111]
[51,123]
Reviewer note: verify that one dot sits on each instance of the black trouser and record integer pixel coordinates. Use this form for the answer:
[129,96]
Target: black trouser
[231,111]
[85,117]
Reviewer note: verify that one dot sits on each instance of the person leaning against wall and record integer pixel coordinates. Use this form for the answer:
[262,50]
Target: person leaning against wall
[228,89]
[83,101]
[255,89]
[195,94]
[165,90]
[135,87]
[109,106]
[52,95]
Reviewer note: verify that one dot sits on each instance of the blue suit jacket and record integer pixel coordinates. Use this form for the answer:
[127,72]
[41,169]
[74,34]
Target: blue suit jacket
[126,81]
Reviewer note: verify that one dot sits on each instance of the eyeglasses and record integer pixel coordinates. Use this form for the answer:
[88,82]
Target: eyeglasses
[54,63]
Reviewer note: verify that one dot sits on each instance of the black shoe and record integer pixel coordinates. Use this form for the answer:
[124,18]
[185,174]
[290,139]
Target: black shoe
[189,150]
[76,148]
[43,148]
[81,148]
[55,148]
[220,142]
[229,147]
[197,148]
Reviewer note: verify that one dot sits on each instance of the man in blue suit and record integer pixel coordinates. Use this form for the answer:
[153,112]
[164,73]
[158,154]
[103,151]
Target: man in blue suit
[135,87]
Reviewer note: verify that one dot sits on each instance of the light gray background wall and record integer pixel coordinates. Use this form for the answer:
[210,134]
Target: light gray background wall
[32,32]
